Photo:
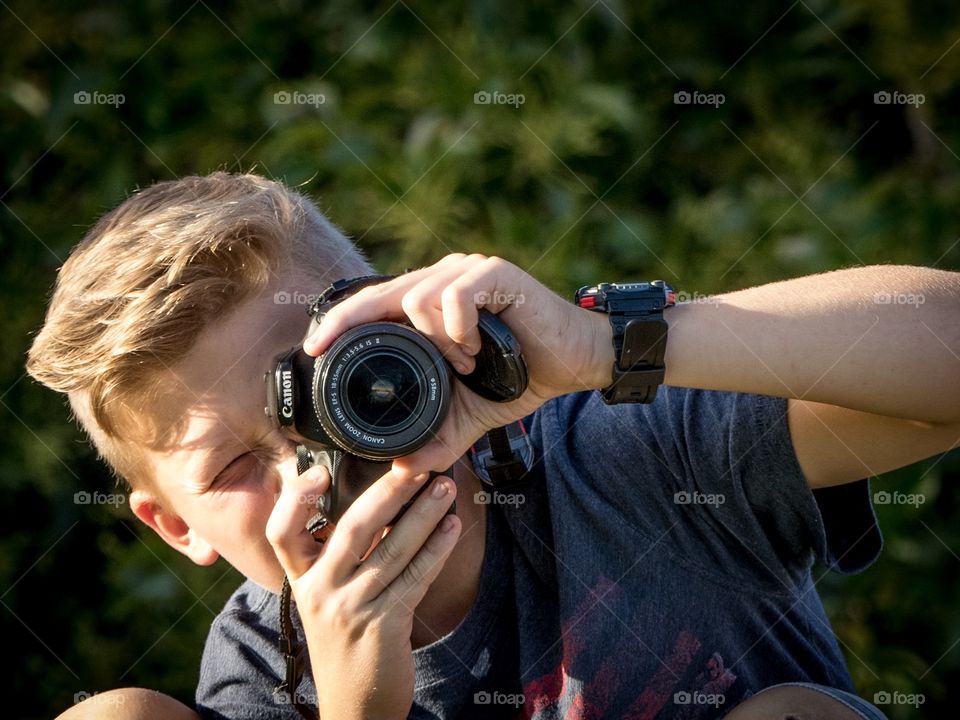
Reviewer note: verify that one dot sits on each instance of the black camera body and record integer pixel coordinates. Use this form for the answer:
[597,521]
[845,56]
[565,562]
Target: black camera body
[379,392]
[376,393]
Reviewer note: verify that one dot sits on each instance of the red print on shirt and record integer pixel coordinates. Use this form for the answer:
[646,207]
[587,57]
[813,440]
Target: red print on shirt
[593,697]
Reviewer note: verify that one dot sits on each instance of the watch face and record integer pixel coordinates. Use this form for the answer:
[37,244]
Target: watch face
[632,287]
[635,298]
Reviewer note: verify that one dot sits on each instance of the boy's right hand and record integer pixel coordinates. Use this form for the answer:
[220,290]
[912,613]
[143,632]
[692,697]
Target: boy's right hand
[357,604]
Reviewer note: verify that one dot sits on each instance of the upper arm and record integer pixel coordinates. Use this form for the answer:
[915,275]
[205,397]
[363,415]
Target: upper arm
[836,445]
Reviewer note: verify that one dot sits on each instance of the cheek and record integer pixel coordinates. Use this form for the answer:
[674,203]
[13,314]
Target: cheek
[240,513]
[236,527]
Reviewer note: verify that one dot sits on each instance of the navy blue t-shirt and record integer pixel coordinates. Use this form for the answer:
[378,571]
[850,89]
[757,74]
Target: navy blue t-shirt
[656,565]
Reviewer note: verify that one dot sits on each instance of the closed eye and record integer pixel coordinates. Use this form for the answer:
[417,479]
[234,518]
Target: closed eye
[252,464]
[238,469]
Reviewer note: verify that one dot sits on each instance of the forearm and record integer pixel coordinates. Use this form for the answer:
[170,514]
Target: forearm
[826,338]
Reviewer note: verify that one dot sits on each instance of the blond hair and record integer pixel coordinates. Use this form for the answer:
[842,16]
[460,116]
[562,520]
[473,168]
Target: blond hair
[153,273]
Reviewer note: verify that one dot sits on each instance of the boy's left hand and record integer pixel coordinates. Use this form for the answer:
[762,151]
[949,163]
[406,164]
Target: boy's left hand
[566,348]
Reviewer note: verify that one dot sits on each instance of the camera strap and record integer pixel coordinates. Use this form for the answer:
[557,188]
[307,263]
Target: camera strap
[502,457]
[289,645]
[292,655]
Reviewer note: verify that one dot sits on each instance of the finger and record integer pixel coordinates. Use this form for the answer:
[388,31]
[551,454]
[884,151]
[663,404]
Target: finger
[491,283]
[396,550]
[286,530]
[458,303]
[412,584]
[494,284]
[435,456]
[365,520]
[480,285]
[424,306]
[375,302]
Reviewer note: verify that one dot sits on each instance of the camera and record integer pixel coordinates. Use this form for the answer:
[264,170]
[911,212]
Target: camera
[380,391]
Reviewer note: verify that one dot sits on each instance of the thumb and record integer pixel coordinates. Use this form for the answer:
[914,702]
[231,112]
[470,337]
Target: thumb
[286,529]
[458,432]
[436,455]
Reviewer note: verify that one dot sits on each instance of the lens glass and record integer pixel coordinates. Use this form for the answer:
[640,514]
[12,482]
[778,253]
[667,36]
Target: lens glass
[383,391]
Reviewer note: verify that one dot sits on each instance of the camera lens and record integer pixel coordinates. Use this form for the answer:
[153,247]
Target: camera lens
[383,392]
[380,391]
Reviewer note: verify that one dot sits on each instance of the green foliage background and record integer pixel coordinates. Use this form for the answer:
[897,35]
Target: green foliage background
[598,175]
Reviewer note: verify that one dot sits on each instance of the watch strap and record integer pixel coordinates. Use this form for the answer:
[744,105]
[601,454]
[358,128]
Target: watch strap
[635,312]
[639,369]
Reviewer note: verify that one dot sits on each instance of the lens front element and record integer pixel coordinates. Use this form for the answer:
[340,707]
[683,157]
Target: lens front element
[381,390]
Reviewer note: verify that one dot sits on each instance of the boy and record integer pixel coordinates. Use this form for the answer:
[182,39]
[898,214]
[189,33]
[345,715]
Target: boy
[656,563]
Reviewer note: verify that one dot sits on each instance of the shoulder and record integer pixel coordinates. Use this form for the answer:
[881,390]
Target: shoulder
[248,601]
[249,615]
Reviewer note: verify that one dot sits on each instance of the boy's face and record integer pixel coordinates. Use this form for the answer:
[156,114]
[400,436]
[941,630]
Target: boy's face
[216,477]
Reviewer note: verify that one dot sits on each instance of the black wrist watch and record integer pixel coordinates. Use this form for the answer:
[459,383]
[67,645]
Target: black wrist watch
[639,335]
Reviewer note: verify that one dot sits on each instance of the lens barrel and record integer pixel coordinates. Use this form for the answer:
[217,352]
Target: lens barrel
[381,390]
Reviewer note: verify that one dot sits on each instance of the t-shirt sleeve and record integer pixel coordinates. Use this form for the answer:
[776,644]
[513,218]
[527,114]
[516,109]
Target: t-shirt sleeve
[716,476]
[240,669]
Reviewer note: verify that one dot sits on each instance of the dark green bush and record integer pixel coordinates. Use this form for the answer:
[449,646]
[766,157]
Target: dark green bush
[598,174]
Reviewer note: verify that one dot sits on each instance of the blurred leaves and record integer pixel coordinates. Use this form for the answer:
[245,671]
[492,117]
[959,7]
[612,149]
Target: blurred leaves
[597,174]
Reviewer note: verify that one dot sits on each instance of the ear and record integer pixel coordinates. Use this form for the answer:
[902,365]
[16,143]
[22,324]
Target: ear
[172,528]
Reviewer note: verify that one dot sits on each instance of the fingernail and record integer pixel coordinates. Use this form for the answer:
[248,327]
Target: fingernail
[440,488]
[460,367]
[446,525]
